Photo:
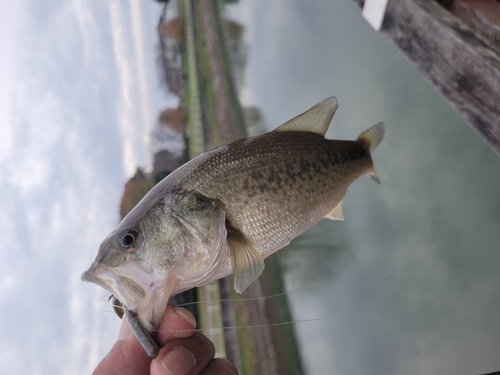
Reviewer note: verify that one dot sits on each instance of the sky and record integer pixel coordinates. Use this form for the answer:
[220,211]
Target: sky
[78,98]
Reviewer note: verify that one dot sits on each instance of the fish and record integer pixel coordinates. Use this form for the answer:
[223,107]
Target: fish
[228,209]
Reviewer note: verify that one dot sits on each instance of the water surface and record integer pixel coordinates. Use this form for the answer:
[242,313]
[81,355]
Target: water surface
[412,274]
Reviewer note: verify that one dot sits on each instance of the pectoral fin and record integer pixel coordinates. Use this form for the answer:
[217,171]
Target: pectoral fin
[336,213]
[316,120]
[246,261]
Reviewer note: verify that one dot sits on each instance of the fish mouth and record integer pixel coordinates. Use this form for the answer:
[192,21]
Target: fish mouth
[134,287]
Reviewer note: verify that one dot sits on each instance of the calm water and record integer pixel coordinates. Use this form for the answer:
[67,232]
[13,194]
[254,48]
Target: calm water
[409,283]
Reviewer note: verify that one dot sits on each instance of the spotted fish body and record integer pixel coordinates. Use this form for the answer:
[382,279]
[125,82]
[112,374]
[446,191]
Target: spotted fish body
[228,209]
[275,186]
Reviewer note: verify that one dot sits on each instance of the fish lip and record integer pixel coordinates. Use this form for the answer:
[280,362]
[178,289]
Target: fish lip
[108,279]
[134,287]
[90,276]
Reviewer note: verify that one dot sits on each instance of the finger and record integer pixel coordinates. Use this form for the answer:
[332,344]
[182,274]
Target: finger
[173,325]
[126,355]
[177,322]
[184,356]
[125,330]
[220,366]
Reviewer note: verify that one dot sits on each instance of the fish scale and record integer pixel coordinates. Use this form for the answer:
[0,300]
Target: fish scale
[272,204]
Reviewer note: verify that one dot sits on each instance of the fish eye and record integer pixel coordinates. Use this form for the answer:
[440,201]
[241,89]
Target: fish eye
[128,239]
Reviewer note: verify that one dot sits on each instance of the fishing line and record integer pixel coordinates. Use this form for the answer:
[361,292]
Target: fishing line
[243,326]
[407,273]
[104,296]
[268,325]
[257,298]
[107,298]
[105,301]
[388,275]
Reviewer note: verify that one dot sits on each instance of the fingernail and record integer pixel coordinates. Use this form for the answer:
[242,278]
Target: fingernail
[186,314]
[178,362]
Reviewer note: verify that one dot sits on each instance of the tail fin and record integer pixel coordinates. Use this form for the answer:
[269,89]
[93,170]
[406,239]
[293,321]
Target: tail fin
[372,138]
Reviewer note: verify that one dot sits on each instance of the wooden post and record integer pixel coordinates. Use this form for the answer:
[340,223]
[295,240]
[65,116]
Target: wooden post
[463,68]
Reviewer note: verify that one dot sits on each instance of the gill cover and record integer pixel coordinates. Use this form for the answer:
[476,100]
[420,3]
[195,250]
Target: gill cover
[202,222]
[206,242]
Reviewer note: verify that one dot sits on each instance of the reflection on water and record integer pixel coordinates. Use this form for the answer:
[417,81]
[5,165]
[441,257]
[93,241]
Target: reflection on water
[413,271]
[321,247]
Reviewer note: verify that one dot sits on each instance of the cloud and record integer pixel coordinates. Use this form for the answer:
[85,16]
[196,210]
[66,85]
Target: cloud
[137,109]
[71,131]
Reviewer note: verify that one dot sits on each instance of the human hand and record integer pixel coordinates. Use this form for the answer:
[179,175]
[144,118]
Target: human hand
[182,351]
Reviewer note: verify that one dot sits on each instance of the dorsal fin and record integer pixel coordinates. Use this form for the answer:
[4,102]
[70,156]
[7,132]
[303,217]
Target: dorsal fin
[316,119]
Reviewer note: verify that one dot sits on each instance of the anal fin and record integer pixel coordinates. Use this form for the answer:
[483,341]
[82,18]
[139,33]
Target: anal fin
[336,213]
[245,259]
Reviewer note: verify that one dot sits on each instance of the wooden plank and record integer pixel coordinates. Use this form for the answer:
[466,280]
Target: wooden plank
[464,69]
[482,17]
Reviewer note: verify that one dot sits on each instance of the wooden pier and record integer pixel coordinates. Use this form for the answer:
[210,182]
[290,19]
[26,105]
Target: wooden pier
[455,44]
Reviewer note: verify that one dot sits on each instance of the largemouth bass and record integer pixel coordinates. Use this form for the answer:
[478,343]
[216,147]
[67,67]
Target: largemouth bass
[228,209]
